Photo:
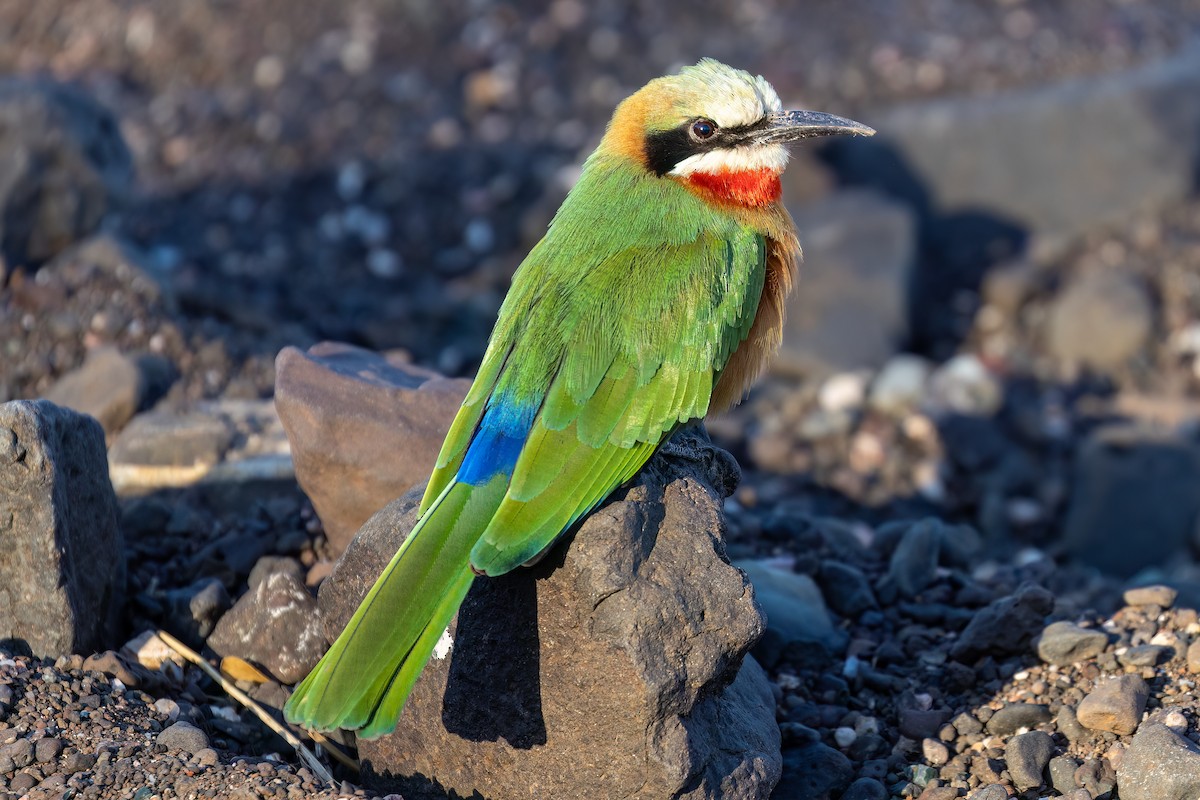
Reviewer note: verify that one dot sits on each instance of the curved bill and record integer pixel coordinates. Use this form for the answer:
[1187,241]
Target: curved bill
[792,126]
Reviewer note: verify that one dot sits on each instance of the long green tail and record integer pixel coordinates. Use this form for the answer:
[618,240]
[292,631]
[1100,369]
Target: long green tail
[364,679]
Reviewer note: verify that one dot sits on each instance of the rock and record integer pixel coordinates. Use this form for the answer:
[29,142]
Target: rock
[1044,144]
[935,752]
[915,559]
[1027,755]
[182,736]
[1115,705]
[1146,655]
[267,566]
[1157,595]
[899,387]
[1132,479]
[1062,773]
[1096,776]
[964,385]
[1015,716]
[364,428]
[275,624]
[1068,725]
[813,772]
[1099,321]
[151,651]
[1005,626]
[921,723]
[846,588]
[865,789]
[796,615]
[993,791]
[1064,643]
[632,628]
[167,439]
[1159,764]
[193,611]
[62,580]
[63,165]
[1193,657]
[109,386]
[47,750]
[111,664]
[859,249]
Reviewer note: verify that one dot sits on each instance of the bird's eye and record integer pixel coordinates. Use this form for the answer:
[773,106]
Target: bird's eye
[703,129]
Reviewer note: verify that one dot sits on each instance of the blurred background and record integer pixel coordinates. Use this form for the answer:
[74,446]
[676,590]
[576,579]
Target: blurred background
[999,317]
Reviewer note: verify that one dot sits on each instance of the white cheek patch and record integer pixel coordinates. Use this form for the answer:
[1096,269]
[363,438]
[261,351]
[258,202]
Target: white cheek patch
[738,159]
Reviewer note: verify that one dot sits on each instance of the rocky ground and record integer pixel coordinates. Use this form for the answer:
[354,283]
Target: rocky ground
[947,516]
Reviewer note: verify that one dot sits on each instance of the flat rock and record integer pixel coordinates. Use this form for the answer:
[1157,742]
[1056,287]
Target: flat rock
[109,386]
[274,624]
[1115,705]
[612,652]
[1156,595]
[62,565]
[63,165]
[1064,643]
[1132,479]
[1099,321]
[1014,716]
[1159,764]
[182,736]
[364,428]
[859,249]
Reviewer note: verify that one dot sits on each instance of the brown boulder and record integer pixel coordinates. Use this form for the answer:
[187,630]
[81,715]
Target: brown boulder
[364,428]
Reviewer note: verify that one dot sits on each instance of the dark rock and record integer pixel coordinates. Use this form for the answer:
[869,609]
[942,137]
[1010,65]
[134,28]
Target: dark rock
[63,164]
[859,253]
[1064,643]
[633,627]
[865,789]
[1068,725]
[1005,626]
[194,610]
[275,624]
[915,559]
[62,579]
[1115,705]
[182,736]
[1099,321]
[917,723]
[1096,776]
[1129,479]
[1014,716]
[1145,655]
[1027,755]
[1159,764]
[813,772]
[846,589]
[994,791]
[967,725]
[797,620]
[19,753]
[48,749]
[109,386]
[1062,773]
[364,428]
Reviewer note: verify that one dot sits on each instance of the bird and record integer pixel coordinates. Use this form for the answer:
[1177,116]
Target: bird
[655,297]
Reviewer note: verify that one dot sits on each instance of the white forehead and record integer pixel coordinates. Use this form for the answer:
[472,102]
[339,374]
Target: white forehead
[733,97]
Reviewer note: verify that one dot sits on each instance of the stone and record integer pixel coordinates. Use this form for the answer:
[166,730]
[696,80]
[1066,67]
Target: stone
[1068,725]
[182,736]
[1096,776]
[63,166]
[1128,478]
[899,386]
[616,653]
[364,428]
[271,565]
[1062,773]
[110,663]
[1099,321]
[1005,626]
[1193,657]
[1043,145]
[813,772]
[1115,705]
[152,652]
[1027,755]
[921,723]
[1156,595]
[1064,643]
[62,565]
[1012,717]
[109,386]
[168,439]
[193,611]
[935,752]
[993,791]
[964,385]
[859,250]
[1145,655]
[1159,764]
[865,789]
[47,750]
[275,625]
[915,559]
[846,588]
[797,619]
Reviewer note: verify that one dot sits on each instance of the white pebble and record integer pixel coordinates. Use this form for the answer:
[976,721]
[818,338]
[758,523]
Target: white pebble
[844,737]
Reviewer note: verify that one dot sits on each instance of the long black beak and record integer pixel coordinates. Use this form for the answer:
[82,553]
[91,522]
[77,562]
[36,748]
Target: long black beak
[792,126]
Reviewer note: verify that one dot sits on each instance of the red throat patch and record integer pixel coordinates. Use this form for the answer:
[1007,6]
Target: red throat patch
[752,188]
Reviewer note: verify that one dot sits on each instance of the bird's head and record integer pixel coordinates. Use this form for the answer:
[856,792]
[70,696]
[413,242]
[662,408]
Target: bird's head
[719,131]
